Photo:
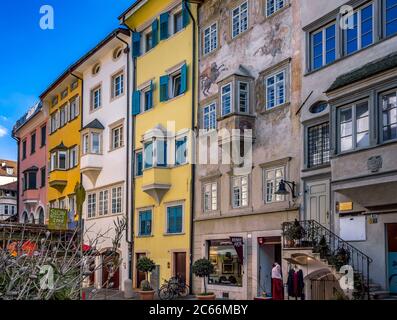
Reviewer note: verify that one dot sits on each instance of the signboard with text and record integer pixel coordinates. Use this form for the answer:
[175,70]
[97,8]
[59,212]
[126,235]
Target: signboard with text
[58,219]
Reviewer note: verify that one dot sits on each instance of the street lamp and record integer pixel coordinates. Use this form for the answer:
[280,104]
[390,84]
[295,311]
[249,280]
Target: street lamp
[282,190]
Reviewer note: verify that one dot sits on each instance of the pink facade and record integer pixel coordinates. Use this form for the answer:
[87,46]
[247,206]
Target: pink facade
[32,133]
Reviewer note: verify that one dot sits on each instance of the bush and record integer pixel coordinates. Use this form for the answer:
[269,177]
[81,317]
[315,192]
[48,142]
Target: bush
[203,268]
[146,265]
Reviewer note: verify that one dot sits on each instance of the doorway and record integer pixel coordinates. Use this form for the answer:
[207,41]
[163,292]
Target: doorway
[269,251]
[180,265]
[140,276]
[391,230]
[109,267]
[317,202]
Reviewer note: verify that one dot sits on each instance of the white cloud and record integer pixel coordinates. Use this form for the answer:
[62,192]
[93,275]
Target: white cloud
[3,132]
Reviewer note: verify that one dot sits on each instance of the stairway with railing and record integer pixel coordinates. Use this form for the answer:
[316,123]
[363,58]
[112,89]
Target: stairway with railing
[312,235]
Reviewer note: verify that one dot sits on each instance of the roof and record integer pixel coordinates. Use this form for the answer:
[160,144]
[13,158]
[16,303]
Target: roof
[94,124]
[30,114]
[73,66]
[4,164]
[370,69]
[13,186]
[131,7]
[60,146]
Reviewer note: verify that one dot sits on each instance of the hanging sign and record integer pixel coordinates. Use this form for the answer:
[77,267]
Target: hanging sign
[58,219]
[238,246]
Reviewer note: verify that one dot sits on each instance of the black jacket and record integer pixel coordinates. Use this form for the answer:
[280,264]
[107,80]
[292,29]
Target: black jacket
[290,283]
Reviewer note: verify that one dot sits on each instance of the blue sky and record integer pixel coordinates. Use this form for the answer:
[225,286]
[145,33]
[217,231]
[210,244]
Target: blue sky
[31,58]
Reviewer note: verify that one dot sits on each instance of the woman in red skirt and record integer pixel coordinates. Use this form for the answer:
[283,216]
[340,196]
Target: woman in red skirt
[277,283]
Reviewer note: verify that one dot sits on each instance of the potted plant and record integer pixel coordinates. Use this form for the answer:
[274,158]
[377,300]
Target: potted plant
[146,265]
[203,268]
[294,233]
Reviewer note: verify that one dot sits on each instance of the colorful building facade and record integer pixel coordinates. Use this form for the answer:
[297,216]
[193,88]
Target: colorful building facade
[162,47]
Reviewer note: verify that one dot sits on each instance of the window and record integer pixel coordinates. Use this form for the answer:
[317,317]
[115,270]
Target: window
[74,108]
[117,137]
[96,98]
[360,35]
[240,19]
[389,116]
[227,263]
[178,22]
[148,155]
[116,200]
[118,85]
[318,107]
[54,100]
[176,85]
[43,140]
[226,99]
[323,46]
[354,126]
[63,116]
[209,115]
[72,203]
[210,197]
[74,85]
[54,122]
[33,143]
[272,179]
[210,38]
[145,223]
[91,205]
[73,157]
[139,163]
[62,156]
[117,53]
[390,13]
[43,177]
[318,145]
[175,219]
[53,161]
[240,192]
[276,90]
[86,144]
[23,149]
[96,69]
[10,171]
[148,98]
[95,143]
[30,182]
[181,151]
[161,153]
[173,85]
[273,6]
[103,208]
[243,96]
[148,41]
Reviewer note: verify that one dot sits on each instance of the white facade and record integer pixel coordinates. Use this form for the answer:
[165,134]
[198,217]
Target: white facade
[103,161]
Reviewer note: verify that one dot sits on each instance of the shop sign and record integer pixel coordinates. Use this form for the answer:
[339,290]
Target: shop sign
[238,246]
[58,219]
[345,206]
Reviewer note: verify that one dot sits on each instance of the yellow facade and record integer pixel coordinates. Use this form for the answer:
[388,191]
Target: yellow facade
[61,182]
[168,54]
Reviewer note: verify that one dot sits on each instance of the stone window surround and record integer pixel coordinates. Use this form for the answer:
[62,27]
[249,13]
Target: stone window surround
[373,93]
[113,76]
[138,211]
[202,37]
[203,182]
[174,204]
[287,4]
[249,186]
[115,125]
[234,5]
[92,90]
[89,132]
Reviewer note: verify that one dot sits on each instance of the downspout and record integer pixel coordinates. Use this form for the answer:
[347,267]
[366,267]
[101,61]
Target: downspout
[18,168]
[193,166]
[132,150]
[127,180]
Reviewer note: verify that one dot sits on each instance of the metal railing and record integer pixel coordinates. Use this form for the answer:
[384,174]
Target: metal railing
[337,252]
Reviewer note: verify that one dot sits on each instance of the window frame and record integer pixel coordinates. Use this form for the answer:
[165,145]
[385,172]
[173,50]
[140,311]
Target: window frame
[211,197]
[275,198]
[232,16]
[94,107]
[145,211]
[285,88]
[212,46]
[120,140]
[167,229]
[231,102]
[380,108]
[212,109]
[240,188]
[33,139]
[117,200]
[91,205]
[114,78]
[275,10]
[103,203]
[308,148]
[323,30]
[139,173]
[239,82]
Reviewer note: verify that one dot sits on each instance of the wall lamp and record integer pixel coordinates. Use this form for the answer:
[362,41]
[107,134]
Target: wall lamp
[282,190]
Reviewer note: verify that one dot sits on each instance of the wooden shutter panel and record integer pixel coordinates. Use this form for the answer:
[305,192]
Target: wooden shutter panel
[136,103]
[164,88]
[185,14]
[136,44]
[164,25]
[184,78]
[155,33]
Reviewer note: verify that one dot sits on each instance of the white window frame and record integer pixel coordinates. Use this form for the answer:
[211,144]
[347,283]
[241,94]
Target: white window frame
[274,184]
[239,16]
[324,44]
[275,83]
[231,94]
[119,142]
[239,187]
[117,200]
[64,152]
[277,6]
[239,97]
[173,76]
[211,115]
[73,157]
[74,108]
[103,203]
[115,93]
[210,192]
[210,36]
[91,205]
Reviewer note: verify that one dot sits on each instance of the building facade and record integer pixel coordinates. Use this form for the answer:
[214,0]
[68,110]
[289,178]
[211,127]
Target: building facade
[162,47]
[8,171]
[8,201]
[250,81]
[349,127]
[62,103]
[31,132]
[103,161]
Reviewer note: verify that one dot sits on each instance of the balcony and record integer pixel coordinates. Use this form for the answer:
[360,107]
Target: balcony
[91,166]
[156,182]
[31,196]
[58,180]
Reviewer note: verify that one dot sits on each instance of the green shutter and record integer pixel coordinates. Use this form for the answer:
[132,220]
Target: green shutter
[185,14]
[164,18]
[151,94]
[164,88]
[136,103]
[155,33]
[136,44]
[184,78]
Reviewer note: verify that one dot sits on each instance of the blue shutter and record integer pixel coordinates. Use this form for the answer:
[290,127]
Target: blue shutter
[136,103]
[184,78]
[164,17]
[178,219]
[155,33]
[151,95]
[139,164]
[185,14]
[136,44]
[164,88]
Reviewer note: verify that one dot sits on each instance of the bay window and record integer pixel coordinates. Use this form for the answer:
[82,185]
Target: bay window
[181,151]
[226,99]
[62,160]
[243,96]
[389,116]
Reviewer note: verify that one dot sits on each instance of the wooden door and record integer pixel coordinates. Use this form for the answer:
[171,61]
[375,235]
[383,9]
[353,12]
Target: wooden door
[107,267]
[317,202]
[180,265]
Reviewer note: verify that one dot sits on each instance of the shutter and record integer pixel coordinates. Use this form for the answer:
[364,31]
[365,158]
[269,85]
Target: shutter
[164,26]
[136,103]
[184,78]
[136,44]
[155,32]
[164,88]
[77,106]
[178,218]
[151,94]
[185,14]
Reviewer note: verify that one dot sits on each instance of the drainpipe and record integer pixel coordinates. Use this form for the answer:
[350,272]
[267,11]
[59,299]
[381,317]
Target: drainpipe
[18,140]
[132,174]
[127,181]
[193,166]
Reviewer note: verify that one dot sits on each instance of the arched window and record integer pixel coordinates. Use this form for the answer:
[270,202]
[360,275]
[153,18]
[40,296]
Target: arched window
[117,53]
[319,107]
[41,216]
[96,69]
[31,218]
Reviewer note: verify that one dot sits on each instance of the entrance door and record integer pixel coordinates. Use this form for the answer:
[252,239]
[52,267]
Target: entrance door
[269,253]
[317,202]
[109,267]
[392,257]
[180,265]
[140,276]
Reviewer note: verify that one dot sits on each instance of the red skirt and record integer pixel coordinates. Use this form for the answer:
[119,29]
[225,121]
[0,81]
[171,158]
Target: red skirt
[277,289]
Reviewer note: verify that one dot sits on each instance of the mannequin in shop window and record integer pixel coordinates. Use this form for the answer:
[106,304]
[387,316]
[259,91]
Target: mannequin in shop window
[295,283]
[277,283]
